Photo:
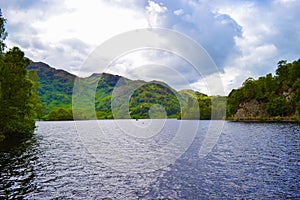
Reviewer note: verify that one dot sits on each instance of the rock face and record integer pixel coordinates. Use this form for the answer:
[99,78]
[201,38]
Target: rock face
[251,109]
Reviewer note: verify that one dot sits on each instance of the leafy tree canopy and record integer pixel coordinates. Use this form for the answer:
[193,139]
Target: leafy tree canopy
[280,93]
[19,102]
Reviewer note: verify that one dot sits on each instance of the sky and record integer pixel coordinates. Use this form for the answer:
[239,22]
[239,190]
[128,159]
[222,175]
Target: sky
[244,38]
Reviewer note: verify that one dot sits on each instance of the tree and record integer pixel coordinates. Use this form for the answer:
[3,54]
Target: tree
[205,107]
[235,98]
[250,89]
[278,107]
[60,115]
[18,98]
[32,75]
[191,110]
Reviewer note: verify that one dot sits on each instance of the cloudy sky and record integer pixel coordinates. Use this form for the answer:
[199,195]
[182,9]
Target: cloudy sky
[244,38]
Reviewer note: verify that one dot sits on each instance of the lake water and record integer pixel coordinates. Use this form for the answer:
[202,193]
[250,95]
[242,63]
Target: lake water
[247,161]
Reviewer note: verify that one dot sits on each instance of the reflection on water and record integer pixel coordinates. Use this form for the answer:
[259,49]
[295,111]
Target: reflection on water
[250,161]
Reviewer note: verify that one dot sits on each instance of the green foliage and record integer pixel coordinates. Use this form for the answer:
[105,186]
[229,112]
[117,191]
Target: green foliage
[145,100]
[219,104]
[55,87]
[205,107]
[278,107]
[154,99]
[191,110]
[150,100]
[234,99]
[18,98]
[280,93]
[60,114]
[157,112]
[250,89]
[106,83]
[17,95]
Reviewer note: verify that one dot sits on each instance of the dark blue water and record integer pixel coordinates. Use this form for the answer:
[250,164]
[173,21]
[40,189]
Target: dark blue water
[249,161]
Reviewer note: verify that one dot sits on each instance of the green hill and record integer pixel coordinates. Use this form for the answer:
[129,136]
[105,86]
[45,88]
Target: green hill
[56,89]
[56,86]
[269,97]
[118,97]
[150,96]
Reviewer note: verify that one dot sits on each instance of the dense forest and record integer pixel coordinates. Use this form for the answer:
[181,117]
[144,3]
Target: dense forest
[19,101]
[269,97]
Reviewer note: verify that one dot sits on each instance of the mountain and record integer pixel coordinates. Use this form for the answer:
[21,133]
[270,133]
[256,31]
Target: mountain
[269,97]
[56,89]
[56,86]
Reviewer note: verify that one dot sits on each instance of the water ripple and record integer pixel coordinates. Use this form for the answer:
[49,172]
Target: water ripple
[250,161]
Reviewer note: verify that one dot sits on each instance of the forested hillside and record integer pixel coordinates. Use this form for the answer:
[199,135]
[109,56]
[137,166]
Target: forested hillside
[56,89]
[268,97]
[56,86]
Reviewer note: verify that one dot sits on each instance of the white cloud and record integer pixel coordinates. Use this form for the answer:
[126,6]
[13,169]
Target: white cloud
[157,65]
[155,7]
[232,77]
[92,22]
[89,24]
[244,38]
[269,34]
[286,2]
[178,12]
[154,11]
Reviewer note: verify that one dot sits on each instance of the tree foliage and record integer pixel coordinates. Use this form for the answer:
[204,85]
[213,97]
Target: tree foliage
[60,114]
[191,110]
[204,107]
[19,102]
[280,93]
[147,98]
[18,99]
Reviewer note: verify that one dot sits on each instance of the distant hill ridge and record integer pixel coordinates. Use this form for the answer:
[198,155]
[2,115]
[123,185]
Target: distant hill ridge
[56,89]
[267,98]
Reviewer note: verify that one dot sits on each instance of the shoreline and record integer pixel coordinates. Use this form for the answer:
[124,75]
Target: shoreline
[228,120]
[265,121]
[291,119]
